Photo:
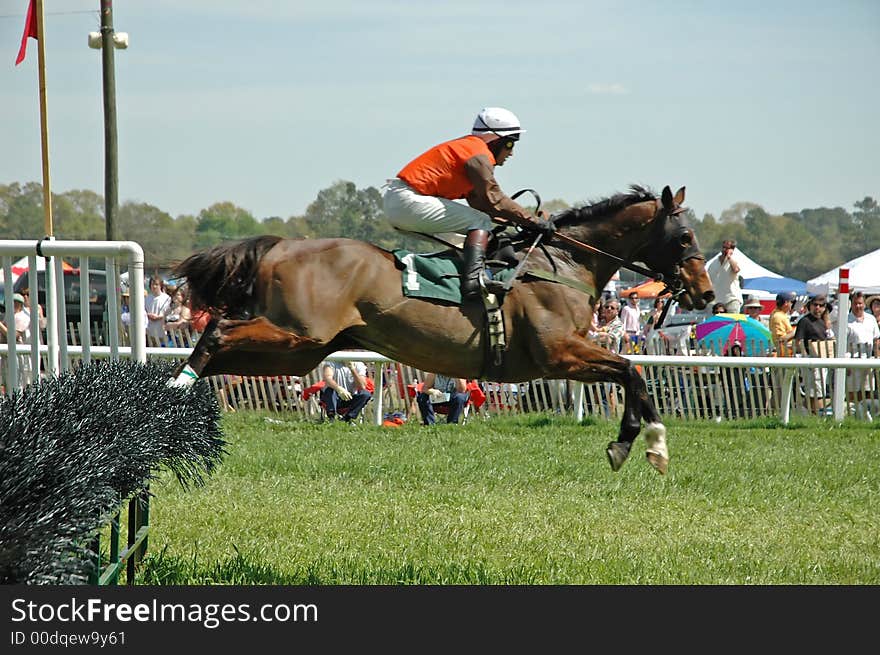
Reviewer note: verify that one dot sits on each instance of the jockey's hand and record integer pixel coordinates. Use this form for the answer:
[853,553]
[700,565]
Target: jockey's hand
[435,395]
[545,226]
[344,394]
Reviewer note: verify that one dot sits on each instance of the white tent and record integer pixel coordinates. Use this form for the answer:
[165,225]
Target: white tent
[747,267]
[864,275]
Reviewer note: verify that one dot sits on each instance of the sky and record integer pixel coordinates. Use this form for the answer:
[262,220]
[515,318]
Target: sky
[264,103]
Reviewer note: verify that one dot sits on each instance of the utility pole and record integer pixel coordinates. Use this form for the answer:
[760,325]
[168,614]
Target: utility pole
[111,170]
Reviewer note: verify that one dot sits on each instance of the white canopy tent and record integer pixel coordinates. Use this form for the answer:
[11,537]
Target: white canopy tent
[864,275]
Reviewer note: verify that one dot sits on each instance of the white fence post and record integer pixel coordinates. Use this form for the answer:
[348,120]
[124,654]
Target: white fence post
[839,403]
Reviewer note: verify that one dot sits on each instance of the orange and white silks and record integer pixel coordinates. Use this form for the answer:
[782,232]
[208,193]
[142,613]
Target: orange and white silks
[440,171]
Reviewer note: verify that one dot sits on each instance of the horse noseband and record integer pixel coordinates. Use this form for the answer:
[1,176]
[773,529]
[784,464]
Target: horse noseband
[673,241]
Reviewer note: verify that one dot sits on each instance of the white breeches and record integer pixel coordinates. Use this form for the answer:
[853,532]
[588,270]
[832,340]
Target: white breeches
[412,211]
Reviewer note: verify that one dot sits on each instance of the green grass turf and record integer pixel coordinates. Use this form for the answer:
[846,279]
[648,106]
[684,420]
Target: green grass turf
[523,500]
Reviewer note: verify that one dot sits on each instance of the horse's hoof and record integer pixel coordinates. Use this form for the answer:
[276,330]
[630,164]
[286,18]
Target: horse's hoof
[657,452]
[658,462]
[617,452]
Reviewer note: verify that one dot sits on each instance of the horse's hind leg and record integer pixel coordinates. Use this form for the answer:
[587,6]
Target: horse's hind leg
[255,335]
[190,370]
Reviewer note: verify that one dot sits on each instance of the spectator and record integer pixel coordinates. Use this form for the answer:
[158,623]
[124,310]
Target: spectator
[809,334]
[781,330]
[179,316]
[442,391]
[610,333]
[423,195]
[21,319]
[41,316]
[156,304]
[827,318]
[739,384]
[125,310]
[719,308]
[724,273]
[631,317]
[345,393]
[656,341]
[862,340]
[752,309]
[874,305]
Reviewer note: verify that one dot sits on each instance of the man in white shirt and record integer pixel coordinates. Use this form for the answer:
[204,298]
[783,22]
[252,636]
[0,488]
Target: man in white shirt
[156,306]
[862,340]
[631,317]
[345,390]
[724,273]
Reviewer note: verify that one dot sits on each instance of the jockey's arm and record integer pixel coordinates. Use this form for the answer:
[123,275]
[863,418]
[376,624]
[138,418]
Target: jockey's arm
[487,195]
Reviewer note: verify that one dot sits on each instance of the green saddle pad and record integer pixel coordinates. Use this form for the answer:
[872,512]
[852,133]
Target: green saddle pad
[436,276]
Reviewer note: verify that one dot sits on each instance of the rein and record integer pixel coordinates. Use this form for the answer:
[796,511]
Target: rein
[623,263]
[674,285]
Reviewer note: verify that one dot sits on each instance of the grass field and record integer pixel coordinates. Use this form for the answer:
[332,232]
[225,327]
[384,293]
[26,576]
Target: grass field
[527,500]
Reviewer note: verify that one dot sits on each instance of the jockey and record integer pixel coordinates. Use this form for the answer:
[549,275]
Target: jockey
[421,198]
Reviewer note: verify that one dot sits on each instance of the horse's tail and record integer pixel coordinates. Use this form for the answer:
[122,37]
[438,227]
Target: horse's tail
[222,278]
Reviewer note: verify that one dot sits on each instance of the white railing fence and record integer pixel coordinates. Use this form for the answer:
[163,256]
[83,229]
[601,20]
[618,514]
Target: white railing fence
[685,385]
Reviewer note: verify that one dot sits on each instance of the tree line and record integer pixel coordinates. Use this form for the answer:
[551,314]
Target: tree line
[799,244]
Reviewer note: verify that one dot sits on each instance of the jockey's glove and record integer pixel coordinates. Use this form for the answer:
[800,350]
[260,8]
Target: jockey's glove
[344,394]
[545,226]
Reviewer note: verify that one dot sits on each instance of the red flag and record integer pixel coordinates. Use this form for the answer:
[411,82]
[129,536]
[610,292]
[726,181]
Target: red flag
[30,30]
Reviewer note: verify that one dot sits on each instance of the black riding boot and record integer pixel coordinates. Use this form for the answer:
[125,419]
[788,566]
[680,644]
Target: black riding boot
[474,277]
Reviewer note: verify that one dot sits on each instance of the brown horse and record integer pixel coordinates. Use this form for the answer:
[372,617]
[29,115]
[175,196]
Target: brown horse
[282,305]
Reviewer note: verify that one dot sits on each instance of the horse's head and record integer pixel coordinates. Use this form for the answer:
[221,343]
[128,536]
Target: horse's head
[674,252]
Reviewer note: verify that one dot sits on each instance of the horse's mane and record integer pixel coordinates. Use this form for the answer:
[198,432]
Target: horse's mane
[605,207]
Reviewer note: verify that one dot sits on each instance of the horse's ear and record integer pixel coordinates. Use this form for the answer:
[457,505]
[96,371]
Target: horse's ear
[666,197]
[679,197]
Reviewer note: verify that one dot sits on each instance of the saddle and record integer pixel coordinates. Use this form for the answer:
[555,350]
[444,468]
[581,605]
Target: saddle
[437,276]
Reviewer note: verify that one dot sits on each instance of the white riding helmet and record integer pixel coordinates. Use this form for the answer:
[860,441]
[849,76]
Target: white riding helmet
[498,121]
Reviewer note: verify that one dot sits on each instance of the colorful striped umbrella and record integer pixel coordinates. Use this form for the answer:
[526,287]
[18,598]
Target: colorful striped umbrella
[722,331]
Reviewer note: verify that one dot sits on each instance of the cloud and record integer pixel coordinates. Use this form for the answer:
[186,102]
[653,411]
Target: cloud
[615,88]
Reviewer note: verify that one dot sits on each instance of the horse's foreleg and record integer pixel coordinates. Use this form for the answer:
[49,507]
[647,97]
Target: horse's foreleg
[638,406]
[657,451]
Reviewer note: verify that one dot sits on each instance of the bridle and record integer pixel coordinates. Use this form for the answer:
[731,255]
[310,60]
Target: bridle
[676,241]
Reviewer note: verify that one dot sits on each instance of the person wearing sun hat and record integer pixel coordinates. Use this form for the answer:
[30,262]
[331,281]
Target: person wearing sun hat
[22,320]
[753,309]
[873,305]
